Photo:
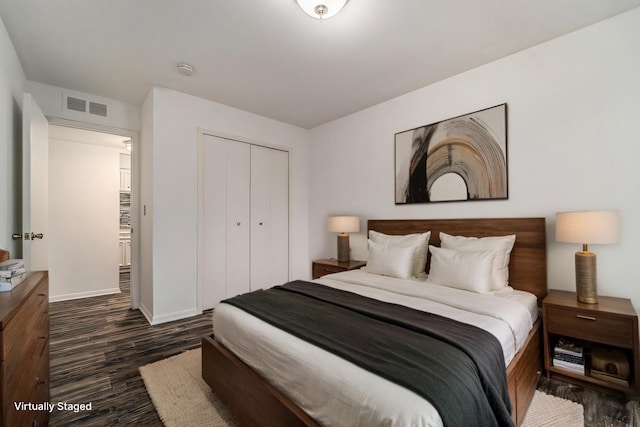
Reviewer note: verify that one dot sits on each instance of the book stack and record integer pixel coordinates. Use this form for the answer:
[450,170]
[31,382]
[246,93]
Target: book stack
[12,273]
[568,355]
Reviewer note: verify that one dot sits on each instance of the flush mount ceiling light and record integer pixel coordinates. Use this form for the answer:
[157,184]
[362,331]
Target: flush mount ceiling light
[186,69]
[321,9]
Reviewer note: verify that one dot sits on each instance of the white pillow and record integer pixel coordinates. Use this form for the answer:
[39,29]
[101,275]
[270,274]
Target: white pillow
[408,240]
[466,270]
[501,244]
[394,261]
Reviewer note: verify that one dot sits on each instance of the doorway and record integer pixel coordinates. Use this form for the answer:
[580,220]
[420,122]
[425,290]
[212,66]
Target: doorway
[92,211]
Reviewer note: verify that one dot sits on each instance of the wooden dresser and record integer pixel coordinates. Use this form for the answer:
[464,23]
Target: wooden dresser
[24,351]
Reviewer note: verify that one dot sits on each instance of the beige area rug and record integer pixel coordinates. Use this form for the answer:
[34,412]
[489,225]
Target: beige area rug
[551,411]
[183,399]
[181,396]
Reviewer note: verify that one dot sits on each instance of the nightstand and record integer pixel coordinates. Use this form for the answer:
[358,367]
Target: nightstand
[328,266]
[611,324]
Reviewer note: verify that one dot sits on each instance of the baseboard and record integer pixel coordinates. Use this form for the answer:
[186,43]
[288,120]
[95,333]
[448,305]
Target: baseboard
[88,294]
[169,317]
[146,313]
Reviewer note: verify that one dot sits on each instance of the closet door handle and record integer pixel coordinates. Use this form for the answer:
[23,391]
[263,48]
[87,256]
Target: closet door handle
[260,223]
[238,224]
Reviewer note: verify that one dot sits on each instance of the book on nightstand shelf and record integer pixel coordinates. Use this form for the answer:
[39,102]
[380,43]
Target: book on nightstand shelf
[568,355]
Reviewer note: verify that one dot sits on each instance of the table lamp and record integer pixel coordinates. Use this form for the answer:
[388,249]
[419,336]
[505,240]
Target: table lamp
[592,227]
[343,225]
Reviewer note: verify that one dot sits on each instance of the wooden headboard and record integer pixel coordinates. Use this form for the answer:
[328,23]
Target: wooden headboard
[528,263]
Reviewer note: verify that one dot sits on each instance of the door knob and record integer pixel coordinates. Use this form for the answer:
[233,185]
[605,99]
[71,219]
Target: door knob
[27,236]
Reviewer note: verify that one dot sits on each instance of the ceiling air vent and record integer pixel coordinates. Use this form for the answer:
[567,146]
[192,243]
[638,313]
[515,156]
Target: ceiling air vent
[98,109]
[77,104]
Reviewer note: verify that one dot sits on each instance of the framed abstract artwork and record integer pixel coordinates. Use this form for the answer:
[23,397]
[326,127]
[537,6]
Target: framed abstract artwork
[463,158]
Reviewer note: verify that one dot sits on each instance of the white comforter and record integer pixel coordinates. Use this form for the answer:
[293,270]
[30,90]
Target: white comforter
[336,392]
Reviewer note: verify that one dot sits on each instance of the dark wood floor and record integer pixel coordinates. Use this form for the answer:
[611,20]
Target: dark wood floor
[600,408]
[98,344]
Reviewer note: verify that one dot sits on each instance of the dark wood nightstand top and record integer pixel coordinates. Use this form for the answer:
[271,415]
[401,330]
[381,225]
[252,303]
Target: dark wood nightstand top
[609,305]
[328,266]
[351,265]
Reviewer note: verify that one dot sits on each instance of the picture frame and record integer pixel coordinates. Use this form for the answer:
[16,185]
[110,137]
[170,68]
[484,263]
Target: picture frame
[463,158]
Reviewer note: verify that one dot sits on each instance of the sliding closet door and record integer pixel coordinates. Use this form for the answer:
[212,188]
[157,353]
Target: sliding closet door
[225,219]
[269,217]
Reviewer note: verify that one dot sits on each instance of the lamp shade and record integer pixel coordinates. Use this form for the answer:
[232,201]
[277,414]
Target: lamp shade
[343,224]
[590,227]
[321,9]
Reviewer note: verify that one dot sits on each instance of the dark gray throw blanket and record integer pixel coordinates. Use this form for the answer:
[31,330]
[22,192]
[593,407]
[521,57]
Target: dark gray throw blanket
[457,367]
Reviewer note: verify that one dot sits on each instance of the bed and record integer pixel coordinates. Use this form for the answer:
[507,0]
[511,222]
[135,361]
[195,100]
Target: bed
[256,401]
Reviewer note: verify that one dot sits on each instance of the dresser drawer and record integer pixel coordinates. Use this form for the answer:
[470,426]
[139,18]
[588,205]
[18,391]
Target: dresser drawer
[592,326]
[32,316]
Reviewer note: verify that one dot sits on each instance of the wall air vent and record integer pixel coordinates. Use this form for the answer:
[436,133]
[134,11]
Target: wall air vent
[98,109]
[86,105]
[76,104]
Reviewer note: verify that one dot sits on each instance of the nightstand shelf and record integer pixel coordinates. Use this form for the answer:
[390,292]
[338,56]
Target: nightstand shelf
[610,324]
[321,267]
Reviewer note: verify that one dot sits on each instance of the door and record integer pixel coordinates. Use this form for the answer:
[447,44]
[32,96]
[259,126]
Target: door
[243,218]
[238,211]
[224,222]
[269,217]
[35,189]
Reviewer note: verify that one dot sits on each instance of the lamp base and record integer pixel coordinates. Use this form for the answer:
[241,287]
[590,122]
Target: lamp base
[343,247]
[586,284]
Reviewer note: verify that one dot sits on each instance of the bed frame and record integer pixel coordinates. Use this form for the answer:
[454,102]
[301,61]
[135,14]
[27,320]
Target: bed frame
[256,402]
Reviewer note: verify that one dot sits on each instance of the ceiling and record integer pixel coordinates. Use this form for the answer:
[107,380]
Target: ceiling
[268,57]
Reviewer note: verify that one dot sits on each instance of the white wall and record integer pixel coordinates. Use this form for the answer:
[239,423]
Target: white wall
[84,196]
[176,118]
[573,144]
[12,84]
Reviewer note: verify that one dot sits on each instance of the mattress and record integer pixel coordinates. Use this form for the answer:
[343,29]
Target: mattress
[336,392]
